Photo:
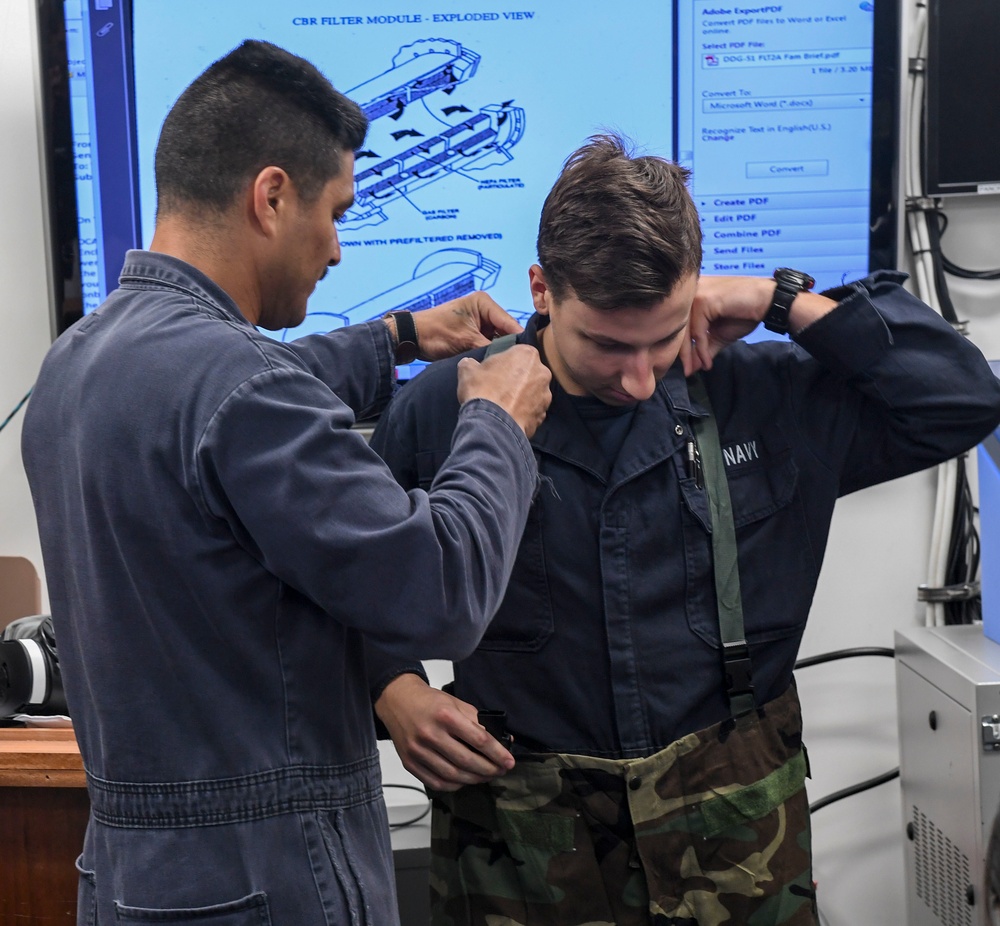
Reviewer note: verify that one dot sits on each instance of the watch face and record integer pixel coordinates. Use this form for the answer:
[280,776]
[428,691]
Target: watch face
[406,353]
[795,277]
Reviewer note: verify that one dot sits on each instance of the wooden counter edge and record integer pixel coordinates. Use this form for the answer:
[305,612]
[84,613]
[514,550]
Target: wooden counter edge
[40,758]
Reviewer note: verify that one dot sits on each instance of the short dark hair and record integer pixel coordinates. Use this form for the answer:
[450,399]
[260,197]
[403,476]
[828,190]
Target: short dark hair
[258,105]
[618,229]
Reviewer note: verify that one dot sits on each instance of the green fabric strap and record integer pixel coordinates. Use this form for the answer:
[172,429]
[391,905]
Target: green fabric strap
[735,652]
[499,345]
[756,800]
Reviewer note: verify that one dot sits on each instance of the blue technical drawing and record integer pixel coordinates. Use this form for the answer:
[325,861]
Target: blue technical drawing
[417,70]
[469,141]
[442,275]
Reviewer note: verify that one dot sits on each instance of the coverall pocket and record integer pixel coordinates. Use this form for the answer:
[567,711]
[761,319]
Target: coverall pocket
[771,527]
[524,621]
[543,840]
[733,841]
[741,850]
[762,488]
[351,872]
[86,895]
[769,516]
[758,868]
[251,910]
[571,841]
[744,806]
[505,853]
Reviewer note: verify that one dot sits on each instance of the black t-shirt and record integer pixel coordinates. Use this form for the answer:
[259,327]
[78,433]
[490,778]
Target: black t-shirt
[609,424]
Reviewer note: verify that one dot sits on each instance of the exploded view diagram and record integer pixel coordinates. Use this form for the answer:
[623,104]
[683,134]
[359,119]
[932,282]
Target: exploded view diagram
[442,275]
[419,133]
[439,277]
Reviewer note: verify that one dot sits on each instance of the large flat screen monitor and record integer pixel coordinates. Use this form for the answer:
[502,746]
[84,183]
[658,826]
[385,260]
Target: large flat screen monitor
[785,113]
[962,101]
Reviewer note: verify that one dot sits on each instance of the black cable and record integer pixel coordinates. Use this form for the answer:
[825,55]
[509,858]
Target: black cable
[845,654]
[17,408]
[853,789]
[420,816]
[830,657]
[962,567]
[936,225]
[956,271]
[950,266]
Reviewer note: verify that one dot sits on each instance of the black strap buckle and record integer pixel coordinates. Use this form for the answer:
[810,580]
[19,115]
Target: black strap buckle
[739,678]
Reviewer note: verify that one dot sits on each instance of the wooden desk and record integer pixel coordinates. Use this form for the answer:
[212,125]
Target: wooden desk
[43,816]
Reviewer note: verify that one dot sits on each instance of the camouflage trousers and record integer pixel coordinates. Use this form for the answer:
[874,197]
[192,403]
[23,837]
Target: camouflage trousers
[713,829]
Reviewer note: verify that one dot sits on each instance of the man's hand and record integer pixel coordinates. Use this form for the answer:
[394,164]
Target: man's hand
[726,309]
[515,379]
[438,737]
[460,325]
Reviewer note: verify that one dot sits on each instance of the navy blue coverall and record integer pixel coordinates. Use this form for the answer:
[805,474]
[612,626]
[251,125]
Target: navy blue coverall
[216,541]
[607,641]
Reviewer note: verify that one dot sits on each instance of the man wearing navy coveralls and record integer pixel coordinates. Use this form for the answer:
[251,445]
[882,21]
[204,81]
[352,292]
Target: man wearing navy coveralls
[643,653]
[217,538]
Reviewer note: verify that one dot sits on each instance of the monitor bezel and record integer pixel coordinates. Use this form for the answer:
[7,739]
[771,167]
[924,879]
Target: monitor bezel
[67,305]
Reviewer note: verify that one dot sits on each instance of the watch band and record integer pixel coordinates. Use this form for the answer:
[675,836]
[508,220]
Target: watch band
[406,337]
[788,284]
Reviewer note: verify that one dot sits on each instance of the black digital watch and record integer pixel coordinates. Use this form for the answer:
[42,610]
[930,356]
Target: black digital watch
[789,283]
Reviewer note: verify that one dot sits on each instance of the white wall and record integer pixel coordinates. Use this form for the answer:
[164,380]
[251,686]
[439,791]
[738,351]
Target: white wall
[24,310]
[876,556]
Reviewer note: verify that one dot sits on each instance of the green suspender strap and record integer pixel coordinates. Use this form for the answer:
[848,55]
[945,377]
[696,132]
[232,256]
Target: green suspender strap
[499,345]
[735,651]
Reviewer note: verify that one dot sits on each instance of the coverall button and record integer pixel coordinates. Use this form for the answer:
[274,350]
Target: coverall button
[635,784]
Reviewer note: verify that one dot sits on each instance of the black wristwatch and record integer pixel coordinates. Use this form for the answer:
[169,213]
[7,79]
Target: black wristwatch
[789,284]
[406,337]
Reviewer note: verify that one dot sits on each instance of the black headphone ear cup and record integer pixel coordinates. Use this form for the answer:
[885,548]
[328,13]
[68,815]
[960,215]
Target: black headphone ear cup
[30,680]
[16,677]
